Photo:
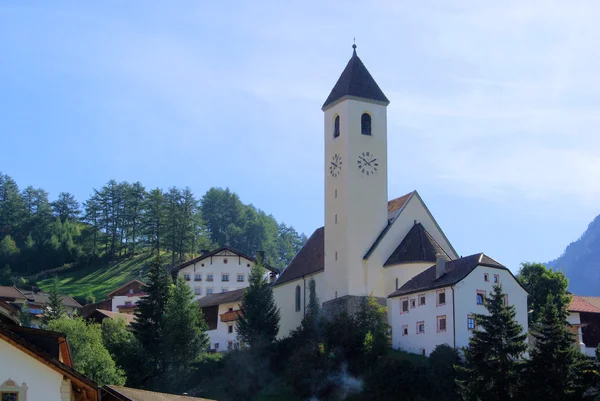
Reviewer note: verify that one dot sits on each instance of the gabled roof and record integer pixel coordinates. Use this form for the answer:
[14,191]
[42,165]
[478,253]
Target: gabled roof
[417,246]
[133,394]
[584,304]
[355,81]
[43,298]
[11,292]
[456,270]
[214,253]
[309,260]
[127,317]
[138,282]
[221,298]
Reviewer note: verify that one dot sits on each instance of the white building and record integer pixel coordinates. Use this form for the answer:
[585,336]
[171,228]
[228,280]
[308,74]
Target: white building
[125,298]
[222,270]
[584,317]
[369,244]
[221,312]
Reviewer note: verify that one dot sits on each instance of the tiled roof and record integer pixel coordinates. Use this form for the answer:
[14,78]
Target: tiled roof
[356,81]
[456,270]
[43,298]
[139,284]
[128,317]
[11,292]
[583,304]
[418,245]
[309,260]
[213,253]
[133,394]
[396,204]
[221,298]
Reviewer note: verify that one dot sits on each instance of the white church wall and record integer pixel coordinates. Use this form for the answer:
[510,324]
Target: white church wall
[285,297]
[217,265]
[43,383]
[402,273]
[428,314]
[413,210]
[466,298]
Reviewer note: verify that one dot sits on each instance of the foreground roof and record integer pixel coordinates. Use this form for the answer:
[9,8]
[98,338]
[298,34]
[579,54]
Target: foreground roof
[456,270]
[584,304]
[11,292]
[214,253]
[355,81]
[417,246]
[133,394]
[309,260]
[221,298]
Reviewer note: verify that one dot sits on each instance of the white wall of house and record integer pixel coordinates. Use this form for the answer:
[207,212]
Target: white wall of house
[465,293]
[43,383]
[225,333]
[217,266]
[466,298]
[285,297]
[413,341]
[124,300]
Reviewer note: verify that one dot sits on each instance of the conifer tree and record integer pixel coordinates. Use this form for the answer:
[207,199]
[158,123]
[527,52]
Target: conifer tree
[557,370]
[493,356]
[259,320]
[55,309]
[312,318]
[149,325]
[187,338]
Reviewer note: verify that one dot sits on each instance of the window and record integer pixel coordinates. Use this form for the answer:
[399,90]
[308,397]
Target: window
[225,261]
[336,127]
[198,277]
[131,291]
[365,124]
[405,330]
[229,345]
[441,297]
[413,303]
[11,391]
[230,329]
[128,303]
[186,277]
[422,299]
[335,194]
[336,218]
[480,297]
[496,279]
[486,277]
[225,277]
[441,323]
[198,290]
[420,327]
[335,255]
[404,305]
[297,298]
[230,310]
[224,289]
[209,277]
[470,322]
[209,291]
[216,345]
[9,396]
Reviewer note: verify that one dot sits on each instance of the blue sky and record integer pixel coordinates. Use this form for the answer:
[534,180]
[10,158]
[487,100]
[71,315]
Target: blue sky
[493,117]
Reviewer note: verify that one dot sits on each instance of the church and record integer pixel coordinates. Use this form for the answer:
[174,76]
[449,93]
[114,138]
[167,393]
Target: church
[393,249]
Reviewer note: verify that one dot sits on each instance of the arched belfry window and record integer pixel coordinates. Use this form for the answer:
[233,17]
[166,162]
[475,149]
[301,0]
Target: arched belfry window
[297,298]
[365,124]
[336,127]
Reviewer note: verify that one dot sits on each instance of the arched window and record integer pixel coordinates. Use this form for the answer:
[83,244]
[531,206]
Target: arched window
[365,124]
[336,127]
[297,298]
[396,282]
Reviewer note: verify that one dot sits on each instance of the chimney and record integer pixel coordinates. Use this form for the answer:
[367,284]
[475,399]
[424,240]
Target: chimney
[440,265]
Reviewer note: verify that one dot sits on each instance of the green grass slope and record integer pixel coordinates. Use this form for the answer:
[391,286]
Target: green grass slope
[99,278]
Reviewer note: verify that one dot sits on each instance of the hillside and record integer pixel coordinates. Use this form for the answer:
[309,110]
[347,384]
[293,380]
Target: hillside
[581,262]
[100,278]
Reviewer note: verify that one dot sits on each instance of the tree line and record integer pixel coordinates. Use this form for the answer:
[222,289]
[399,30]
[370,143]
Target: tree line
[122,219]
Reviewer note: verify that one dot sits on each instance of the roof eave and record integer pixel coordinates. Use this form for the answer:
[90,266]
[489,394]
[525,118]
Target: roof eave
[331,104]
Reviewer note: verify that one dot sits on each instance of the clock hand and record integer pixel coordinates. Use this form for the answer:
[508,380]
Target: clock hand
[334,164]
[363,159]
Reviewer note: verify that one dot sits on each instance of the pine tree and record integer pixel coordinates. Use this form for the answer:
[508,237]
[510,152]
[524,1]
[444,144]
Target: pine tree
[557,370]
[149,325]
[493,356]
[66,207]
[311,322]
[25,315]
[55,309]
[259,321]
[187,338]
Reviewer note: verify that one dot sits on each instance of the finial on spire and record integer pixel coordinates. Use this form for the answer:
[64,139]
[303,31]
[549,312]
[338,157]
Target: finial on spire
[354,46]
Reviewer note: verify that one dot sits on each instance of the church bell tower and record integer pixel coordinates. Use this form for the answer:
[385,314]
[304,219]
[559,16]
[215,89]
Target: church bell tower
[355,181]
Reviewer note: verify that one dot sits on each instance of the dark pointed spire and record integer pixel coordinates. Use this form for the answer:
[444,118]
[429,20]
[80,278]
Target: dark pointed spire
[355,81]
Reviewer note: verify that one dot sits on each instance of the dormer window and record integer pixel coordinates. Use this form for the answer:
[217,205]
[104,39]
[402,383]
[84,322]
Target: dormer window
[365,124]
[336,127]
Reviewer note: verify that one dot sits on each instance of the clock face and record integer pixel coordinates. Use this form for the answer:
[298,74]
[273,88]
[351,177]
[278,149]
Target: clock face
[335,166]
[367,163]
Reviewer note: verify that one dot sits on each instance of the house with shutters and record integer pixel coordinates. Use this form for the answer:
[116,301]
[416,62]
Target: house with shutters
[371,244]
[221,312]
